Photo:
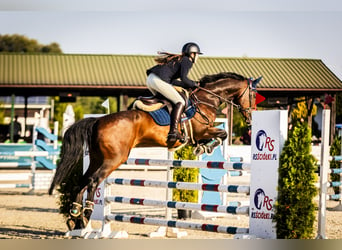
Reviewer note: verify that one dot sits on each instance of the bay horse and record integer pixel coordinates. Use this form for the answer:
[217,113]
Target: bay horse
[110,138]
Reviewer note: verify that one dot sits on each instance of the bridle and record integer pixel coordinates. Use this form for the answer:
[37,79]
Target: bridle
[227,101]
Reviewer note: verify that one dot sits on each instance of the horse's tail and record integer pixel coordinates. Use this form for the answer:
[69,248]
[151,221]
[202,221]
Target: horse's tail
[72,149]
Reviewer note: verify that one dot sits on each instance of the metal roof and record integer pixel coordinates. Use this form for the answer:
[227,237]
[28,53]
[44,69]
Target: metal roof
[77,71]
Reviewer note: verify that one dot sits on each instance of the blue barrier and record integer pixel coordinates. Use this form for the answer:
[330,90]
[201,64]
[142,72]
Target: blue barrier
[36,155]
[46,133]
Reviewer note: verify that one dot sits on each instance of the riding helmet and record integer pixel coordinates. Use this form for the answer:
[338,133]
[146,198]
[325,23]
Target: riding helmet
[189,48]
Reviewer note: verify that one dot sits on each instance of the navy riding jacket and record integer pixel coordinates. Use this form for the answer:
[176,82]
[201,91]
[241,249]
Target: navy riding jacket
[174,70]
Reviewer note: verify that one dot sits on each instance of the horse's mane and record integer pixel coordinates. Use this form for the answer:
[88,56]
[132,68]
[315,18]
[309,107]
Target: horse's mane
[223,75]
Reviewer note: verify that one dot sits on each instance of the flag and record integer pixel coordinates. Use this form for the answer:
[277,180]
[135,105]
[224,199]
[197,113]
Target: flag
[106,104]
[259,98]
[328,99]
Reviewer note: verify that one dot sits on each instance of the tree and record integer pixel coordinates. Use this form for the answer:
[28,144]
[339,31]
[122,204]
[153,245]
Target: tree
[2,113]
[295,209]
[239,124]
[300,111]
[23,44]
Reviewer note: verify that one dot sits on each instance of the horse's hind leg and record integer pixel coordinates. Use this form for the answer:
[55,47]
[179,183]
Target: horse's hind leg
[76,219]
[94,181]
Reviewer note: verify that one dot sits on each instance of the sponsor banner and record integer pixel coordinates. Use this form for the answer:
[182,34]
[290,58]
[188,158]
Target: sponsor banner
[269,132]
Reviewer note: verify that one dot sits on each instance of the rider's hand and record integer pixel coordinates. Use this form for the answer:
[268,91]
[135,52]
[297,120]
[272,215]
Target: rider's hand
[197,84]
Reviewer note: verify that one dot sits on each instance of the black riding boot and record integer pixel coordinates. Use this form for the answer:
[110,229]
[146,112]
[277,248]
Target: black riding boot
[176,113]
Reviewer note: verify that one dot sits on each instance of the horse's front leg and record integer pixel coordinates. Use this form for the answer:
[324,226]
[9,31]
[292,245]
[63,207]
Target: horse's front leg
[212,138]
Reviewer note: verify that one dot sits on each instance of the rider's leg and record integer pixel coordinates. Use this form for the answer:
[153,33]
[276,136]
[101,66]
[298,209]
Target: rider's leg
[155,84]
[176,113]
[169,92]
[150,84]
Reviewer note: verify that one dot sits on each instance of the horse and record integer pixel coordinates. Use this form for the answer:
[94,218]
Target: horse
[110,138]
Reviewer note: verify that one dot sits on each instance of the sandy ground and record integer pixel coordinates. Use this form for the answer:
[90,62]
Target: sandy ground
[35,216]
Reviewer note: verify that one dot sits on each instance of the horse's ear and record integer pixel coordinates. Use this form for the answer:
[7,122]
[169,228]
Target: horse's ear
[255,82]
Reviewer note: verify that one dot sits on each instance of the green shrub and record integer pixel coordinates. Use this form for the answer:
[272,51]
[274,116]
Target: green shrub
[295,209]
[185,175]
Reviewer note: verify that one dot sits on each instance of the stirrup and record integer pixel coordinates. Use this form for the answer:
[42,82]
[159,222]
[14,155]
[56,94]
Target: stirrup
[173,137]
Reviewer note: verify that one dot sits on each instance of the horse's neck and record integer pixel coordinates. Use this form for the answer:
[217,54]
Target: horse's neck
[227,89]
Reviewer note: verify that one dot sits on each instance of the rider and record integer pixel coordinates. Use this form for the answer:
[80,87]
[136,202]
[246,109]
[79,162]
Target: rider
[161,77]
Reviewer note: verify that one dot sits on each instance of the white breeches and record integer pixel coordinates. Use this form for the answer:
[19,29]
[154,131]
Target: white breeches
[157,85]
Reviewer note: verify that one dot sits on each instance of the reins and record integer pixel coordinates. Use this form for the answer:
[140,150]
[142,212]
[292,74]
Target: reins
[219,97]
[224,100]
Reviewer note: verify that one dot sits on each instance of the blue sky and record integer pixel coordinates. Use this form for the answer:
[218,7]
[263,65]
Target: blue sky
[263,28]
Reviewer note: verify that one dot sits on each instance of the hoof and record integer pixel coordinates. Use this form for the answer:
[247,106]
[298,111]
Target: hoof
[210,147]
[199,150]
[83,222]
[209,150]
[71,224]
[77,223]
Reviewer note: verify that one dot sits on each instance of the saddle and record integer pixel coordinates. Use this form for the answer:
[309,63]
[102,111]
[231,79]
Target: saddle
[160,108]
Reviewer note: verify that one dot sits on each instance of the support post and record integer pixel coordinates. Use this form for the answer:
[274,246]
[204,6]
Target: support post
[339,207]
[323,174]
[34,148]
[333,109]
[25,118]
[169,177]
[12,117]
[230,116]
